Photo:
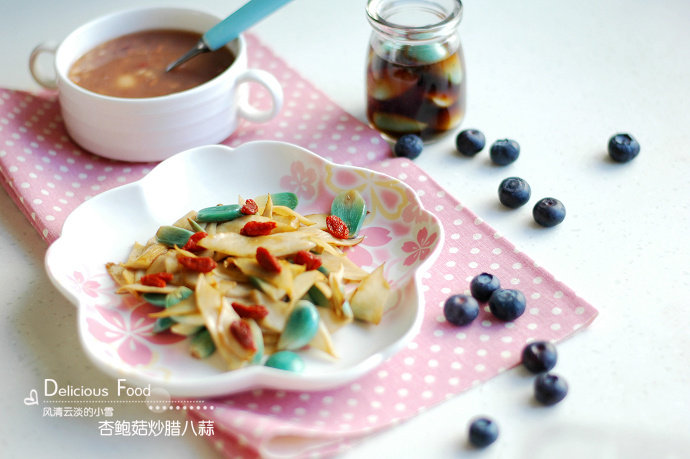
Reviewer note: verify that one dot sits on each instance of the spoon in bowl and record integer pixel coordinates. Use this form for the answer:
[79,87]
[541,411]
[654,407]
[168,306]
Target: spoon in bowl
[230,28]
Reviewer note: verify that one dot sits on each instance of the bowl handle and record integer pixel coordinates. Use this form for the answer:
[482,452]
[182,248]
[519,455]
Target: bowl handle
[268,81]
[49,82]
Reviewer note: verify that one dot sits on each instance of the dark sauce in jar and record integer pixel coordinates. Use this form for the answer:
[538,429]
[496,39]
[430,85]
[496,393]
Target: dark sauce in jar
[415,90]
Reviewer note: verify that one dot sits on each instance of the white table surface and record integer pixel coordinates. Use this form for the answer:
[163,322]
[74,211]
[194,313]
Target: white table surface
[560,78]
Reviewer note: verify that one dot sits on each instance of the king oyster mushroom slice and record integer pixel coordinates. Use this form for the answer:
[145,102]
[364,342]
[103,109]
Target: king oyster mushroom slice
[161,264]
[278,244]
[278,311]
[120,274]
[322,340]
[209,301]
[226,318]
[320,235]
[337,300]
[284,198]
[291,213]
[190,319]
[369,300]
[141,288]
[235,289]
[142,259]
[184,221]
[332,321]
[185,329]
[292,321]
[351,271]
[282,280]
[303,282]
[236,225]
[184,307]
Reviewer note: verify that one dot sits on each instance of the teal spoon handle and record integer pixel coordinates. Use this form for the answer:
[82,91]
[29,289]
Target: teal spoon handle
[230,28]
[242,19]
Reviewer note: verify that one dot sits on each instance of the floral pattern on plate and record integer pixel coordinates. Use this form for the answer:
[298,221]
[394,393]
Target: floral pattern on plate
[116,330]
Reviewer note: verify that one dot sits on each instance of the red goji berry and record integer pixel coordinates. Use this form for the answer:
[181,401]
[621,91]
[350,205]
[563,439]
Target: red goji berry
[255,228]
[308,259]
[199,264]
[337,227]
[250,207]
[267,261]
[243,334]
[156,279]
[251,311]
[192,244]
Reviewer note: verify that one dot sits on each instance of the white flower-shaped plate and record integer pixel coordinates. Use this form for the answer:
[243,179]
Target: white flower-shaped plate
[116,330]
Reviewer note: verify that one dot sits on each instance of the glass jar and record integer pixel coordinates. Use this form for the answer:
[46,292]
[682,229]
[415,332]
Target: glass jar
[415,68]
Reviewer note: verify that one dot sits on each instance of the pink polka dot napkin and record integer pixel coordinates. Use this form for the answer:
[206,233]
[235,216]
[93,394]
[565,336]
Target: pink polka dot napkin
[442,361]
[48,176]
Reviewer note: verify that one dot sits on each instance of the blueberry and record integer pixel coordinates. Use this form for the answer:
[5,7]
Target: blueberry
[539,356]
[514,192]
[504,152]
[507,304]
[549,388]
[483,432]
[623,148]
[483,285]
[460,309]
[548,212]
[470,142]
[408,146]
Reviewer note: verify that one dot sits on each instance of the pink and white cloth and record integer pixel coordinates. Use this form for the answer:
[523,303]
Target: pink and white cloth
[48,176]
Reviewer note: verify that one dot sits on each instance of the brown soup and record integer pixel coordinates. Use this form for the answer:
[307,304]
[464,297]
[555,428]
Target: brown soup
[134,65]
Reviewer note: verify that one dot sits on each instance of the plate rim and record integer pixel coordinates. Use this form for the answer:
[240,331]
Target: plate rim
[254,376]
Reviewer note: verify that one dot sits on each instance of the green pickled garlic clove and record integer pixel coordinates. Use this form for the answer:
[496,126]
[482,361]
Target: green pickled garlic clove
[300,327]
[397,123]
[173,235]
[195,226]
[272,291]
[285,198]
[317,297]
[219,213]
[166,300]
[351,207]
[427,53]
[384,89]
[156,299]
[162,324]
[286,360]
[179,294]
[201,344]
[450,69]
